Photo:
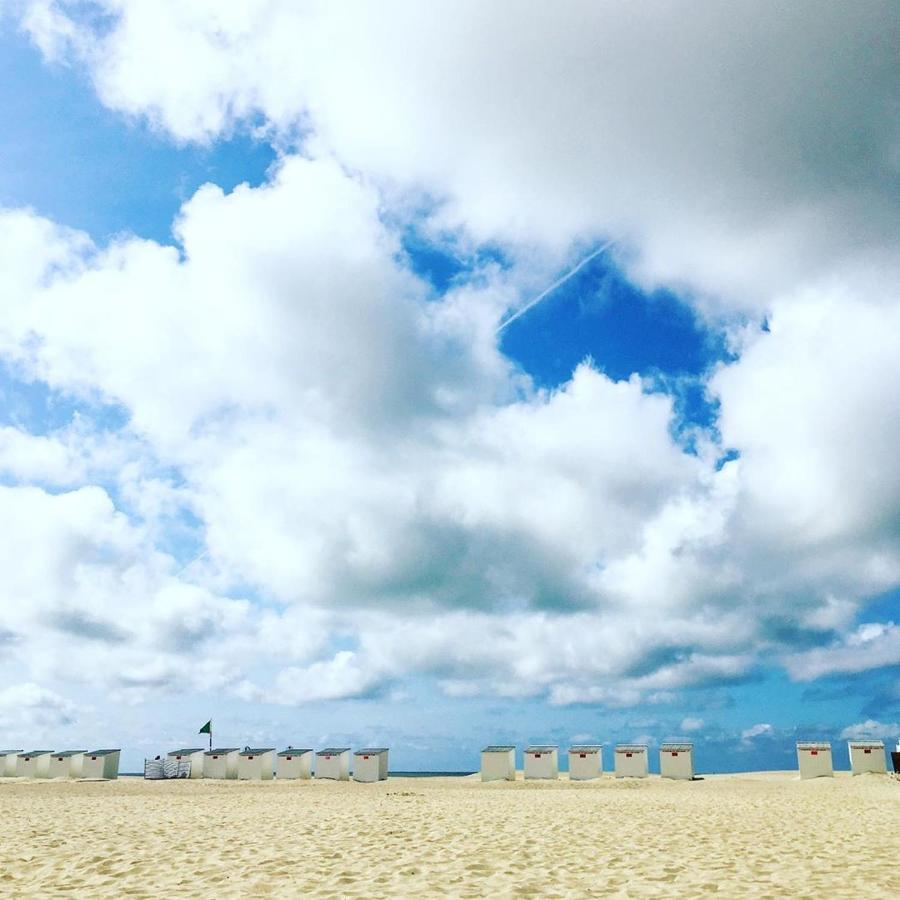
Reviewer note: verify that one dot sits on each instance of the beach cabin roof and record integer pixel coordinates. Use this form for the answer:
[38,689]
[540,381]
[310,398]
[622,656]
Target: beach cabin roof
[220,750]
[9,752]
[35,752]
[256,751]
[677,746]
[539,748]
[68,752]
[585,748]
[371,751]
[116,750]
[187,751]
[333,751]
[295,751]
[813,745]
[863,745]
[498,748]
[631,748]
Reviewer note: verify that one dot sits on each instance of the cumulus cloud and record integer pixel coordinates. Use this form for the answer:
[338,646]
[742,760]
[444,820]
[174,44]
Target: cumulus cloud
[350,451]
[871,729]
[870,646]
[30,706]
[755,731]
[691,724]
[716,143]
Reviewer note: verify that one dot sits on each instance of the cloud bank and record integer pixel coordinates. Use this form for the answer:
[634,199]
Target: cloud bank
[330,476]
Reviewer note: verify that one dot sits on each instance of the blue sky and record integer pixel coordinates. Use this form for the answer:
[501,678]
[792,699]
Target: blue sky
[289,476]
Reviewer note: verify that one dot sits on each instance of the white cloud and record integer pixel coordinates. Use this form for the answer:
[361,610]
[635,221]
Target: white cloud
[871,729]
[755,731]
[30,706]
[713,142]
[870,646]
[691,724]
[356,450]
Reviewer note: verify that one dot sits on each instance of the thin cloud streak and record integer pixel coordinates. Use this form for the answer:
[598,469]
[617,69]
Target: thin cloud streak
[556,284]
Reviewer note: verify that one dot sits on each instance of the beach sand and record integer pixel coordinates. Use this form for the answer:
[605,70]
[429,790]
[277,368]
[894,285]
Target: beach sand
[753,835]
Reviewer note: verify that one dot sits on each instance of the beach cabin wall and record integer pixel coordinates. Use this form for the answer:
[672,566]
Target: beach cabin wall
[585,762]
[814,759]
[8,760]
[676,761]
[293,763]
[542,762]
[33,764]
[631,761]
[866,756]
[101,764]
[66,764]
[498,763]
[193,755]
[370,764]
[256,764]
[221,762]
[333,762]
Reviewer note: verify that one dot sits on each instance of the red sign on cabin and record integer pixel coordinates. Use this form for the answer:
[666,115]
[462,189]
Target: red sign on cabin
[537,755]
[249,757]
[674,753]
[867,750]
[582,755]
[289,758]
[215,757]
[814,752]
[365,757]
[628,755]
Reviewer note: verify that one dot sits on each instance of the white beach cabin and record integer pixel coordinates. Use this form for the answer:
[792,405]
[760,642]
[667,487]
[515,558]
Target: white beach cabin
[814,759]
[370,764]
[333,762]
[33,764]
[676,760]
[66,764]
[498,763]
[193,755]
[631,761]
[542,762]
[221,762]
[256,764]
[585,762]
[866,756]
[101,764]
[8,759]
[293,763]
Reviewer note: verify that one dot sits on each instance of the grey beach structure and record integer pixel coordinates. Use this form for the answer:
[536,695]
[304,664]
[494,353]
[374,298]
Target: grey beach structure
[333,762]
[498,763]
[585,762]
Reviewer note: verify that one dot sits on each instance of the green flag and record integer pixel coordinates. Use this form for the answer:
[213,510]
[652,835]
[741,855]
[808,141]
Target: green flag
[206,729]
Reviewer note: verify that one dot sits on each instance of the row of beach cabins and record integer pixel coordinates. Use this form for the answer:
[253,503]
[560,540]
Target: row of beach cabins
[498,762]
[264,763]
[103,764]
[676,760]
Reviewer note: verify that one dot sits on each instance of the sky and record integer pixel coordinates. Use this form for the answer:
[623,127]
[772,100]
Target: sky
[281,445]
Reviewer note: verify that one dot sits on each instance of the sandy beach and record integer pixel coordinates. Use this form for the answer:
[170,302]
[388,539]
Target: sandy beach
[753,835]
